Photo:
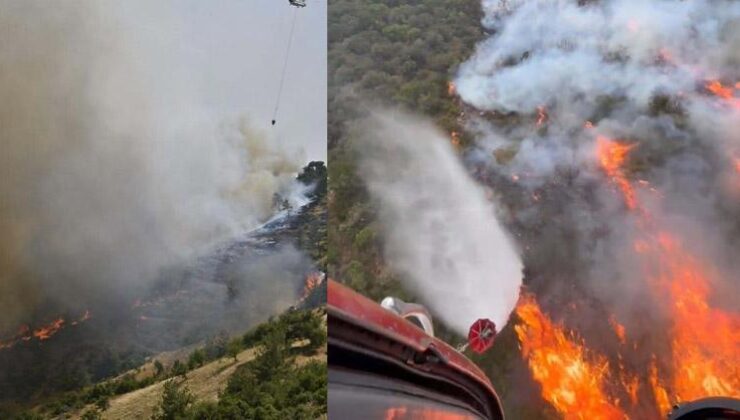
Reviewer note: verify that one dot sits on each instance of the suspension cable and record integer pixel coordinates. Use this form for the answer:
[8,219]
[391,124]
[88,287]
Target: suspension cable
[285,67]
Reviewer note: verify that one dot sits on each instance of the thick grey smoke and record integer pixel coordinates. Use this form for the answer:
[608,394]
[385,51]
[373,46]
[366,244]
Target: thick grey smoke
[441,232]
[111,168]
[638,71]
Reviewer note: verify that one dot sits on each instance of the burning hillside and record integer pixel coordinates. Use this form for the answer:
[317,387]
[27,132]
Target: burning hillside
[43,332]
[704,341]
[123,182]
[627,161]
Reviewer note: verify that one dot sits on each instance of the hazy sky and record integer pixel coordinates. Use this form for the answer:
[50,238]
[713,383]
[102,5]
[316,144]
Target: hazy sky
[231,52]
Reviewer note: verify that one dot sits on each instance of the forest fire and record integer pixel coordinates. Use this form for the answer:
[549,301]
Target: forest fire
[718,89]
[455,139]
[612,156]
[704,341]
[572,378]
[724,92]
[43,332]
[654,305]
[619,329]
[312,281]
[541,116]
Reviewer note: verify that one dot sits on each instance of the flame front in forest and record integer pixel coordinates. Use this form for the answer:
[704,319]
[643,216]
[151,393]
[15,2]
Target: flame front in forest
[705,340]
[612,156]
[42,333]
[571,377]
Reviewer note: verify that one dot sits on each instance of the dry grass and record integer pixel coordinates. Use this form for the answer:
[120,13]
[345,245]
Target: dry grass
[205,383]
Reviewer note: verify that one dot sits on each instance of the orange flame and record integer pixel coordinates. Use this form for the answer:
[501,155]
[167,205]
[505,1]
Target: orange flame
[312,281]
[612,156]
[571,377]
[659,392]
[451,88]
[45,332]
[718,89]
[455,138]
[42,333]
[619,329]
[705,340]
[724,92]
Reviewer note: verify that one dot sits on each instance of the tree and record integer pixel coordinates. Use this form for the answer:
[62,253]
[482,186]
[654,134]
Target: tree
[314,174]
[179,369]
[174,402]
[158,367]
[197,358]
[103,402]
[91,414]
[271,360]
[234,348]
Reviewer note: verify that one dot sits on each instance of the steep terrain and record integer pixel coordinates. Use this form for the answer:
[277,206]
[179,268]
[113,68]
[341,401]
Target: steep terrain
[209,373]
[238,284]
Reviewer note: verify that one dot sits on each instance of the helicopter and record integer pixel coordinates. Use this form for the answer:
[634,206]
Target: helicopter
[297,3]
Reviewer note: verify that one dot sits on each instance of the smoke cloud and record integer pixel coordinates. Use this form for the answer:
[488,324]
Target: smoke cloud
[552,82]
[441,232]
[641,72]
[111,168]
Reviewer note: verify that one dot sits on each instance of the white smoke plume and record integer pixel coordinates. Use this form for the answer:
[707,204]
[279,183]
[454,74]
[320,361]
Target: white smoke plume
[660,74]
[111,167]
[607,60]
[441,232]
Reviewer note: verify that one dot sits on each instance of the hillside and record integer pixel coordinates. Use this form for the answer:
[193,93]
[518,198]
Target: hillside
[223,291]
[291,346]
[388,54]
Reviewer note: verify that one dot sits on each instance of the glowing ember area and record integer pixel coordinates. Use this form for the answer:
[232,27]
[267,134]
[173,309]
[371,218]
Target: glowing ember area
[705,340]
[572,379]
[725,92]
[42,333]
[451,89]
[541,116]
[612,156]
[619,329]
[455,138]
[718,89]
[313,281]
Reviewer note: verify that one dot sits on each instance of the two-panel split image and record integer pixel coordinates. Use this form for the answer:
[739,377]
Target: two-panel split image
[370,209]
